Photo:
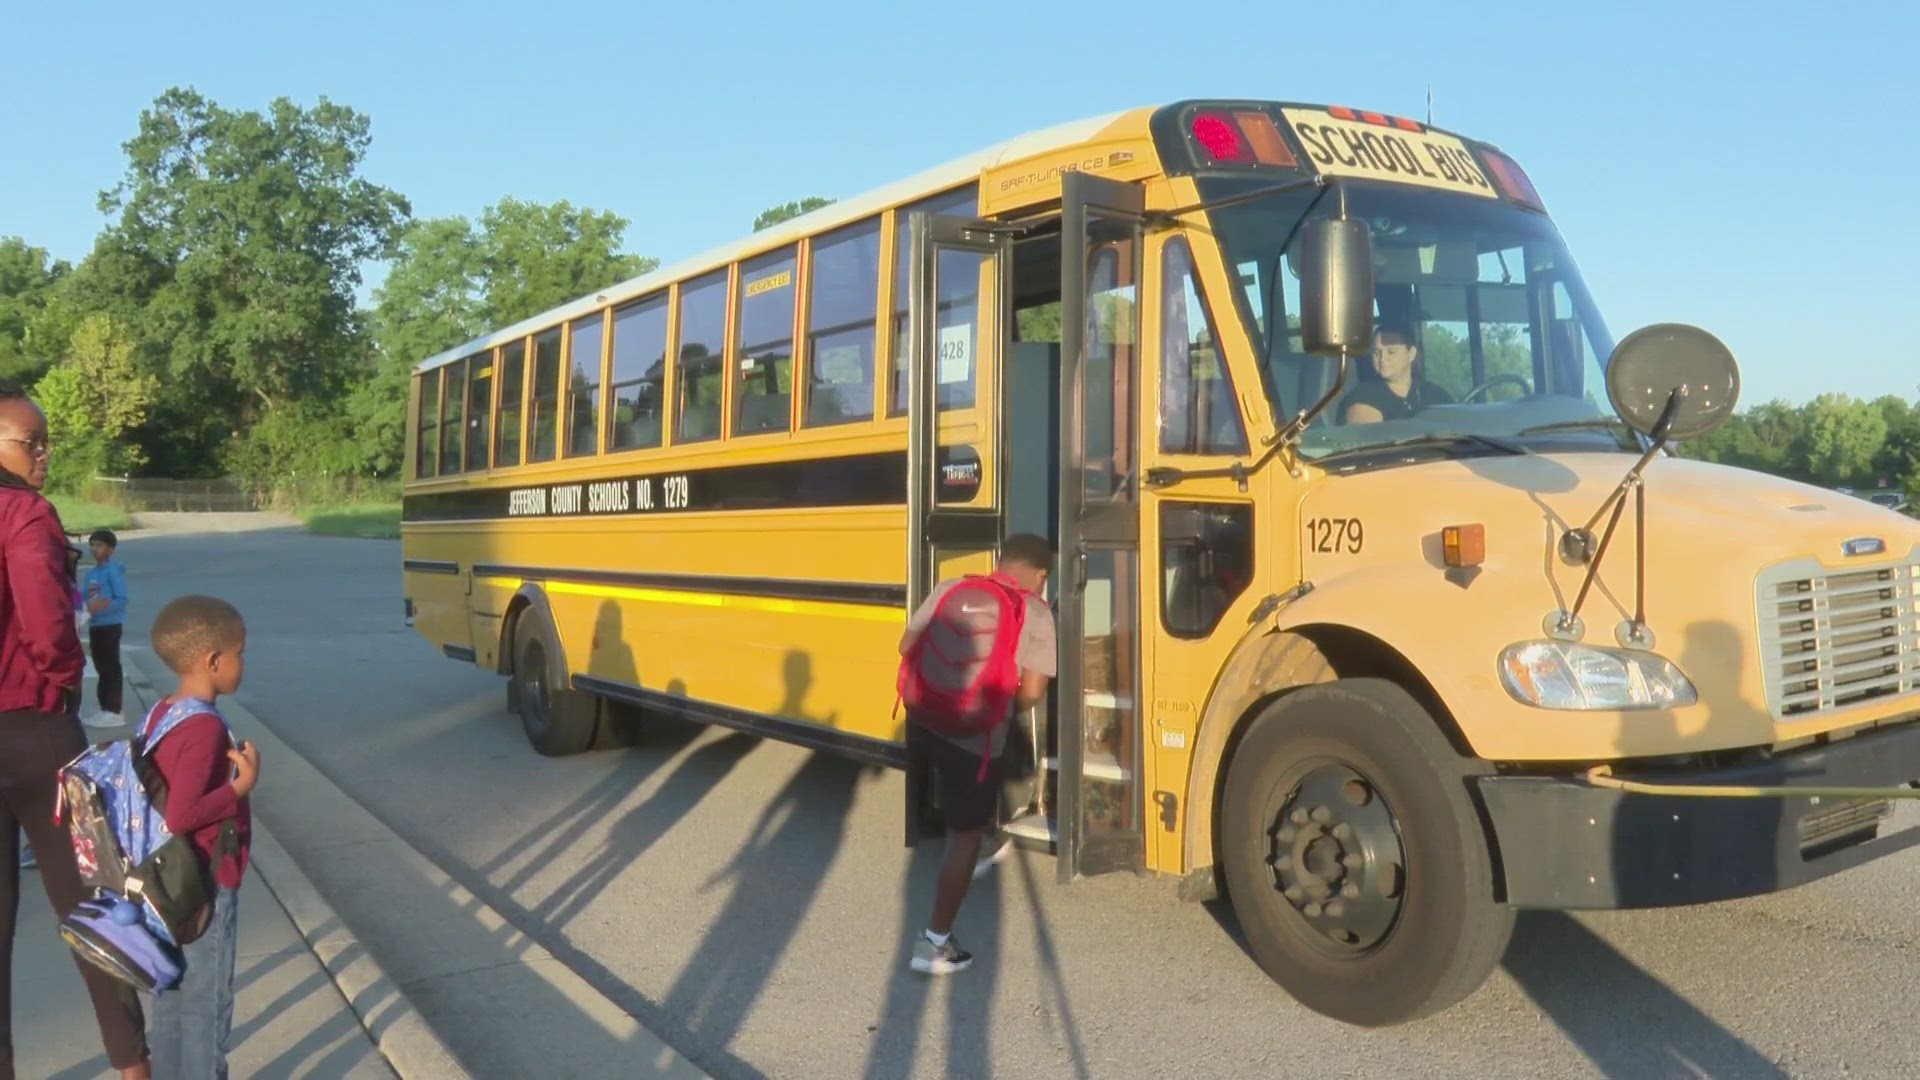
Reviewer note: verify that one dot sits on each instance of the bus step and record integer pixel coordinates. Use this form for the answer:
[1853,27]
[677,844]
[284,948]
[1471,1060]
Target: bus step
[1032,830]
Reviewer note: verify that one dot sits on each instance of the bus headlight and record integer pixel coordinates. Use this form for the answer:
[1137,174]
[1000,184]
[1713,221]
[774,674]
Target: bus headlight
[1561,675]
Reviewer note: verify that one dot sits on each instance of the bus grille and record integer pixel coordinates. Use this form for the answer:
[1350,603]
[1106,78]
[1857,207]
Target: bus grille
[1834,638]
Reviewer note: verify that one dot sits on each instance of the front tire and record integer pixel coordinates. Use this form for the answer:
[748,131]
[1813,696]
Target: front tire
[1354,856]
[558,719]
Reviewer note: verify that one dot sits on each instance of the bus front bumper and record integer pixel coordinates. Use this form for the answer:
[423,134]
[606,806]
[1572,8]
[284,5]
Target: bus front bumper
[1566,844]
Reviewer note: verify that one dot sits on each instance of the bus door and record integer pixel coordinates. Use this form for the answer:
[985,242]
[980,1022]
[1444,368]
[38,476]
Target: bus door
[1097,694]
[957,326]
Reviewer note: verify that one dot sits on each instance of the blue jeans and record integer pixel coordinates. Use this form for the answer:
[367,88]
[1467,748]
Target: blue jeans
[192,1021]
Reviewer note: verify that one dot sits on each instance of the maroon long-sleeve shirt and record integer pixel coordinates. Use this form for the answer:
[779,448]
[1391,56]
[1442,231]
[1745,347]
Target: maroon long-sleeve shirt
[193,760]
[40,655]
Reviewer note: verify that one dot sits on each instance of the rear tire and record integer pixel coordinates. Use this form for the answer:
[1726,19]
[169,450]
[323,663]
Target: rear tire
[1354,856]
[558,719]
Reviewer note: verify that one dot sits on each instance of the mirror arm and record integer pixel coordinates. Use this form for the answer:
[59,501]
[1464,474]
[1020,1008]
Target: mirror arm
[1167,219]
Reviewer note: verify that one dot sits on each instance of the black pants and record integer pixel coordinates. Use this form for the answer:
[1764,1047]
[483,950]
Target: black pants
[33,746]
[105,641]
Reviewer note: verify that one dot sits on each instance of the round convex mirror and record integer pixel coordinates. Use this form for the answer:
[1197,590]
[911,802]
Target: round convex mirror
[1654,361]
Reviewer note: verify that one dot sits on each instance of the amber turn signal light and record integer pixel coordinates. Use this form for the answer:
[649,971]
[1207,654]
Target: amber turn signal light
[1464,545]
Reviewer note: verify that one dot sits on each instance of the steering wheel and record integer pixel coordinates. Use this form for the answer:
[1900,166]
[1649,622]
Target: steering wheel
[1505,376]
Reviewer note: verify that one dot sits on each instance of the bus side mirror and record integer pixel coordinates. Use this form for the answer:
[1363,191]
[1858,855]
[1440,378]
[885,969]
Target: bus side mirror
[1672,381]
[1336,286]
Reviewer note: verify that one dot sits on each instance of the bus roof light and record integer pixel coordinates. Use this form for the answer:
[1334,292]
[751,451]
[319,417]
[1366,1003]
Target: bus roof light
[1219,138]
[1464,545]
[1511,179]
[1268,147]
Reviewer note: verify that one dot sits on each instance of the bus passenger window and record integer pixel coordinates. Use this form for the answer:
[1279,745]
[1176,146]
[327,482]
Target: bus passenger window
[961,202]
[506,433]
[763,365]
[703,326]
[583,385]
[479,409]
[427,425]
[453,397]
[639,375]
[546,396]
[1199,412]
[844,291]
[1206,562]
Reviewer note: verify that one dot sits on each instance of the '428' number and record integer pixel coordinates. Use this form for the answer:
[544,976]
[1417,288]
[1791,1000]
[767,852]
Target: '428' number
[1336,535]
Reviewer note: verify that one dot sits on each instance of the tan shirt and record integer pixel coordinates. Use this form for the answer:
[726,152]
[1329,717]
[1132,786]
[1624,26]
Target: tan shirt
[1037,651]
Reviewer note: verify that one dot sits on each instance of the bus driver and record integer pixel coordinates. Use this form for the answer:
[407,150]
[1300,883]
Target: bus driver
[1401,390]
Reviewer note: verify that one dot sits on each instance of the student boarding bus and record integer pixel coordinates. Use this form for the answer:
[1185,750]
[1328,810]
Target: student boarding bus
[1385,607]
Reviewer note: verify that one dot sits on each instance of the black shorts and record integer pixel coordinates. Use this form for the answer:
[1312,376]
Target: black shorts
[967,802]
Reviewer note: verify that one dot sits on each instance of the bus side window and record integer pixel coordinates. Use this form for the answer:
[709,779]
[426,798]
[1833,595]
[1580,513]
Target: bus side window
[1206,562]
[426,451]
[638,394]
[844,296]
[506,433]
[763,364]
[546,396]
[703,325]
[479,410]
[583,384]
[453,424]
[1199,412]
[954,304]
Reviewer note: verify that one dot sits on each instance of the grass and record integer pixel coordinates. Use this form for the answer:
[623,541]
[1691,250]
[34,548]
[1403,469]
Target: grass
[84,517]
[366,521]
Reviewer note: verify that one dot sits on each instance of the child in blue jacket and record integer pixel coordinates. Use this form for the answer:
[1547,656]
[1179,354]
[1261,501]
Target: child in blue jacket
[106,591]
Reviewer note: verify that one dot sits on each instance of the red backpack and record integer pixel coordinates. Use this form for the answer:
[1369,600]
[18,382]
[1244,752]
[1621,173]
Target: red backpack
[959,677]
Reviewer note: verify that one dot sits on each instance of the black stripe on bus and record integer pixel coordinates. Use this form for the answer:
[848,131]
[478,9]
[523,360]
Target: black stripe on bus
[844,592]
[858,747]
[458,652]
[430,566]
[877,479]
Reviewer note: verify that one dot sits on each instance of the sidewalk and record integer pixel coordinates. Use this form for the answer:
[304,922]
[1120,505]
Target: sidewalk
[289,1018]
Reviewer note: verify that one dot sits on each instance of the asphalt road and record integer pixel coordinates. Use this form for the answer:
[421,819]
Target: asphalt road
[752,903]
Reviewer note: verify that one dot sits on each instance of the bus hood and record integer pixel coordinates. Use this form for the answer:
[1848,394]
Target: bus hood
[1741,569]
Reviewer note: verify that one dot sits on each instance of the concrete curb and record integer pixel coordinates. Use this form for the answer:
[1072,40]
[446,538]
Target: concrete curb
[411,1047]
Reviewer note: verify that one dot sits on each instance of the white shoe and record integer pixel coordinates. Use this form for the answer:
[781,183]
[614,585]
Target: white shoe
[988,862]
[102,720]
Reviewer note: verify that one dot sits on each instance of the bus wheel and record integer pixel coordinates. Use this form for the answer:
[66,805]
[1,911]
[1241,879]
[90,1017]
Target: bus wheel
[558,719]
[1354,857]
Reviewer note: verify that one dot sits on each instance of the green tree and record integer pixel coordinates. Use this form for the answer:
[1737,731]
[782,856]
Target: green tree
[774,215]
[238,242]
[534,256]
[1843,435]
[453,280]
[28,281]
[93,398]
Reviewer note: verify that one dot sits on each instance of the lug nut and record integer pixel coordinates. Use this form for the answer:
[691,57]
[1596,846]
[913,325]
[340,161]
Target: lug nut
[1295,893]
[1343,831]
[1286,834]
[1298,817]
[1350,890]
[1336,909]
[1352,862]
[1321,815]
[1312,909]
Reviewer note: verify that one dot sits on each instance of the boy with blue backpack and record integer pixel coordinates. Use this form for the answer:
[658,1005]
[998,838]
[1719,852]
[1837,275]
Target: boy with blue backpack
[161,827]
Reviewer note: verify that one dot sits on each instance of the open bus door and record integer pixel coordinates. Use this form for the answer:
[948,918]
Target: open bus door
[957,321]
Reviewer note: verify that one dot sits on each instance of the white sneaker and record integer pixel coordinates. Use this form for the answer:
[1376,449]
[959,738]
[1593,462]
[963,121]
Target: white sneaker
[992,859]
[102,720]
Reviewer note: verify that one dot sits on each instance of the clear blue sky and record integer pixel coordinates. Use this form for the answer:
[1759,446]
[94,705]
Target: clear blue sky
[1748,170]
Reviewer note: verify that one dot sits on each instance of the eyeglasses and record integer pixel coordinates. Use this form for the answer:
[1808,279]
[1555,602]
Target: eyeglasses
[35,447]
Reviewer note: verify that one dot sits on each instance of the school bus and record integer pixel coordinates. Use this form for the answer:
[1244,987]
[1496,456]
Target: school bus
[1337,453]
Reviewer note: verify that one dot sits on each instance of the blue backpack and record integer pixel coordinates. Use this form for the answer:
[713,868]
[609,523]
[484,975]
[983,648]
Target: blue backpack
[150,892]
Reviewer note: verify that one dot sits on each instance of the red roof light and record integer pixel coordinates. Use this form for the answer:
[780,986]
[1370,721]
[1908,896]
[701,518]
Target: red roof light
[1216,134]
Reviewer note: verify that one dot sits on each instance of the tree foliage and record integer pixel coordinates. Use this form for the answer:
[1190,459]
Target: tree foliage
[774,215]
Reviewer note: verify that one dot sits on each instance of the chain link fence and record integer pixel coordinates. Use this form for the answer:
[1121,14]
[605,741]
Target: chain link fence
[229,494]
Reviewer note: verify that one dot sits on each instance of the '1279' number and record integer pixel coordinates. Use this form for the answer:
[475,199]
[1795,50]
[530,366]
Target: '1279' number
[1336,535]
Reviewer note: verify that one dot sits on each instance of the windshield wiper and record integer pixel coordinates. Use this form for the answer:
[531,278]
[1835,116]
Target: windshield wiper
[1434,439]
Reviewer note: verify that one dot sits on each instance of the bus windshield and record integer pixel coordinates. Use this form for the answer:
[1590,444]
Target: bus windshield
[1483,325]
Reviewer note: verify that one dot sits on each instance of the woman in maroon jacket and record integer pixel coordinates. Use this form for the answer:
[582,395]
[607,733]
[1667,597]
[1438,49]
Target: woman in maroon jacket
[40,669]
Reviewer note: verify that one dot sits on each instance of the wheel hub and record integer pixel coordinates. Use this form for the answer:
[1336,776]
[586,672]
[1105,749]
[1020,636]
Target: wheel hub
[1337,857]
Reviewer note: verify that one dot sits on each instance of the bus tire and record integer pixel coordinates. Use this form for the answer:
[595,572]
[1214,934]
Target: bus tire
[1354,858]
[558,719]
